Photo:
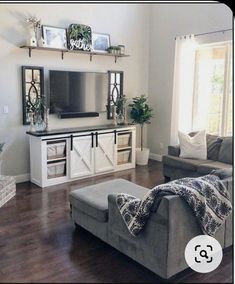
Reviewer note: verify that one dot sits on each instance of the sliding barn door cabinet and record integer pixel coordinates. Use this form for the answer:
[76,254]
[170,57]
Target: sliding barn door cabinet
[61,156]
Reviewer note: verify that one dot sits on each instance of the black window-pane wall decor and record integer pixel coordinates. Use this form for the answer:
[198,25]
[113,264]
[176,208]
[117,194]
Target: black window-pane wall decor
[32,90]
[115,90]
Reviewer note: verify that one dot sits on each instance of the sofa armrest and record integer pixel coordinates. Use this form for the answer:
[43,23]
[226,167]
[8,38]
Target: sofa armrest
[174,150]
[163,238]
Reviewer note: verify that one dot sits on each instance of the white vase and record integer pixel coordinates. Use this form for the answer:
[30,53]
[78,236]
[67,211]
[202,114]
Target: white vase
[41,42]
[142,157]
[32,36]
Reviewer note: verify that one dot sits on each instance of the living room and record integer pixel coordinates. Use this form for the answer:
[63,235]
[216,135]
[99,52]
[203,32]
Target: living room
[163,70]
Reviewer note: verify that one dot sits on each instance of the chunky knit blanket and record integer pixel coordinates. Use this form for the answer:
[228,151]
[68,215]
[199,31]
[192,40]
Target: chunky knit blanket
[207,196]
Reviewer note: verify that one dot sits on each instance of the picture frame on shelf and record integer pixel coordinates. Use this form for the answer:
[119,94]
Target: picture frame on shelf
[54,37]
[100,42]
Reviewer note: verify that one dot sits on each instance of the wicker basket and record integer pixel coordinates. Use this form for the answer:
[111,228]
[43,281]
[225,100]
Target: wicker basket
[55,151]
[56,170]
[7,189]
[123,157]
[123,140]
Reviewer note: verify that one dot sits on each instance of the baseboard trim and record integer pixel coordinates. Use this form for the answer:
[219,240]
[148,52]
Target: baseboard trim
[22,178]
[155,157]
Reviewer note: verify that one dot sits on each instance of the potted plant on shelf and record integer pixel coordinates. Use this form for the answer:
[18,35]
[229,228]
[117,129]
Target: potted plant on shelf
[120,109]
[141,114]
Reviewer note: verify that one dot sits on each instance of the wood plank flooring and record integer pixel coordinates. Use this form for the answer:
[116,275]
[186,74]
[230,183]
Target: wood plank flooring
[38,242]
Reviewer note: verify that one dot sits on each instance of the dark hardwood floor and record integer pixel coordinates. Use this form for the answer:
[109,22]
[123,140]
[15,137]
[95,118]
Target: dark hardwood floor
[38,242]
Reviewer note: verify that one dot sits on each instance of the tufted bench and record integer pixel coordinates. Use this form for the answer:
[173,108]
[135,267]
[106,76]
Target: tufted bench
[7,189]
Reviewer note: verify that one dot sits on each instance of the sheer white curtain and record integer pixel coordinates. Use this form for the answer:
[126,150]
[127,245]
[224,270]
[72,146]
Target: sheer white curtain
[181,118]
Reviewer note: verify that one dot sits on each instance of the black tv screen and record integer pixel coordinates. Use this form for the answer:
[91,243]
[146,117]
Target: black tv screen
[78,92]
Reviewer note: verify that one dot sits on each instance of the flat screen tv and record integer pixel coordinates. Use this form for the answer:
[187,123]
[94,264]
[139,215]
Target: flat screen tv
[74,94]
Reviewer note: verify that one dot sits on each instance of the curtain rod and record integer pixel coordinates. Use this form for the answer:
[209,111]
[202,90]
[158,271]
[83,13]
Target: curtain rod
[220,31]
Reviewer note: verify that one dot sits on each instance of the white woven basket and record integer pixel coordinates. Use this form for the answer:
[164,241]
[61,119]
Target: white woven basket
[7,189]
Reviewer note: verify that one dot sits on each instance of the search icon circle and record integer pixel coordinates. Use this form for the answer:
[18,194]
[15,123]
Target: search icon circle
[203,253]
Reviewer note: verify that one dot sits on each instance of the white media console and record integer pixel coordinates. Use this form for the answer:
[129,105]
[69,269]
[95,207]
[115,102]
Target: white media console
[60,156]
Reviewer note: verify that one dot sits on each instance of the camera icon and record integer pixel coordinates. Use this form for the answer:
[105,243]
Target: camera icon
[203,254]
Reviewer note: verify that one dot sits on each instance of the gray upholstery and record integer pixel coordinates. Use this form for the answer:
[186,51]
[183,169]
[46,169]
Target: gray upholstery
[174,151]
[206,168]
[177,162]
[225,153]
[160,246]
[219,156]
[94,199]
[213,146]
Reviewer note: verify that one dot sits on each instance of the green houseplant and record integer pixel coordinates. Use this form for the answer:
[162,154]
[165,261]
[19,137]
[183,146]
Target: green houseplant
[141,114]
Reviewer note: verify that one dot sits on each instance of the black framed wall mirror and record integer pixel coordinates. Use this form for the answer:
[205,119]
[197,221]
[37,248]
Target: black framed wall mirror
[32,90]
[115,85]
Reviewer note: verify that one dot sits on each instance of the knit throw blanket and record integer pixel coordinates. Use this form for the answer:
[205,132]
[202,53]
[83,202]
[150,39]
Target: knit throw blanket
[207,197]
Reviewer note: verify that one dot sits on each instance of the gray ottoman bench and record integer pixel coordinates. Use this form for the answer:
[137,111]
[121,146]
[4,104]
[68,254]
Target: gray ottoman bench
[89,205]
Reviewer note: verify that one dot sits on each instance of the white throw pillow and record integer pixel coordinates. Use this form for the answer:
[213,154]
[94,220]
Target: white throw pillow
[193,147]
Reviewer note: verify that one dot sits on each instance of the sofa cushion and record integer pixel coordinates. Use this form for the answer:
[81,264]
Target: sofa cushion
[213,146]
[193,147]
[225,153]
[208,167]
[93,199]
[182,163]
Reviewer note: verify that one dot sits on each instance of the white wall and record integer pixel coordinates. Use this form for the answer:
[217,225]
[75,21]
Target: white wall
[127,24]
[167,22]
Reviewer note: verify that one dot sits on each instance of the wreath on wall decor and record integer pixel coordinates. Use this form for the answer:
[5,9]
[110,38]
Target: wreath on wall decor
[79,37]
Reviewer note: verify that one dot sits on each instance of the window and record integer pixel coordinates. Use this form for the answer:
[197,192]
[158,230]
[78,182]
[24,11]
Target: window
[212,100]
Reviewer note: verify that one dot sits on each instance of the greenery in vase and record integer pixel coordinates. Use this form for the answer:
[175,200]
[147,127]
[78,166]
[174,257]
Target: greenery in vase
[141,113]
[120,108]
[120,104]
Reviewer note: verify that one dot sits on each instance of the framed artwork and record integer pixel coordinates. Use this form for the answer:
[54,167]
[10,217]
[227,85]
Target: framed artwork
[115,85]
[54,37]
[79,37]
[32,90]
[100,42]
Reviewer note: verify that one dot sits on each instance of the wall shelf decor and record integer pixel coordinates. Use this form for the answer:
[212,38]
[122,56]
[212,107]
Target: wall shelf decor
[63,51]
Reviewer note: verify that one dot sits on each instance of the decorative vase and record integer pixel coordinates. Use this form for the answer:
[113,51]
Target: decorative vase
[47,119]
[39,123]
[31,127]
[32,38]
[114,114]
[125,116]
[41,42]
[31,41]
[120,118]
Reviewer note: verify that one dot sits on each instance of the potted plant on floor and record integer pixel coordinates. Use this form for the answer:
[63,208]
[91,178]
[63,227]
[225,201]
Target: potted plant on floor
[141,114]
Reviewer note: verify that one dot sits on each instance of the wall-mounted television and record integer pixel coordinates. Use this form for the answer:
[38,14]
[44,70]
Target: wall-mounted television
[78,94]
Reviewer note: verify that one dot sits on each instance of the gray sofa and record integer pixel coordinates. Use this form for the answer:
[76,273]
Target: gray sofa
[219,156]
[160,246]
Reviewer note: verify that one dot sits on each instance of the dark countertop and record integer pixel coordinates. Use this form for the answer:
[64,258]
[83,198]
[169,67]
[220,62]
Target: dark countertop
[77,129]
